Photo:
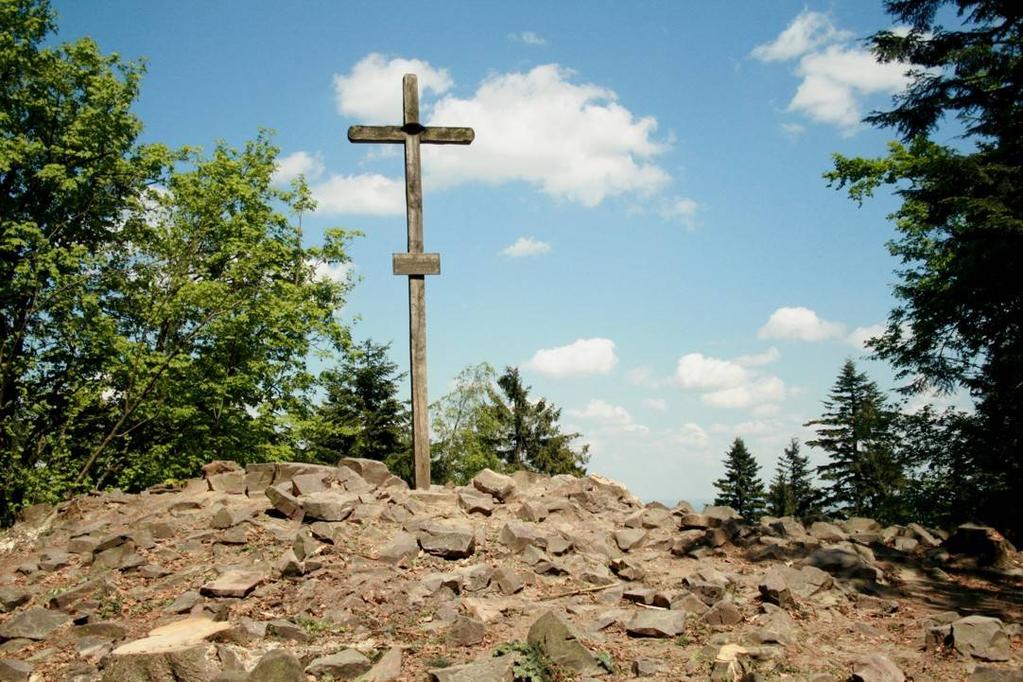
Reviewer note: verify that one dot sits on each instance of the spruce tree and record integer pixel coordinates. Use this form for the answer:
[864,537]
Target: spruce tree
[805,498]
[780,501]
[857,432]
[741,488]
[527,434]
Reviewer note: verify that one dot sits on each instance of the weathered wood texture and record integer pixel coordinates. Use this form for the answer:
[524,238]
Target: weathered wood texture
[416,263]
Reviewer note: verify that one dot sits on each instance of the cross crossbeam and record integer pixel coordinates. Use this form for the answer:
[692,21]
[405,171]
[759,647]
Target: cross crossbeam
[415,264]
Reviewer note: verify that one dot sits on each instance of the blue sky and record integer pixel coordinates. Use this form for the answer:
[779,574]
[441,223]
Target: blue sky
[641,224]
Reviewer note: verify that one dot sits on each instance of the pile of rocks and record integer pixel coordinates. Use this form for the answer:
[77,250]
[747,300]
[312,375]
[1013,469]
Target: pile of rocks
[292,571]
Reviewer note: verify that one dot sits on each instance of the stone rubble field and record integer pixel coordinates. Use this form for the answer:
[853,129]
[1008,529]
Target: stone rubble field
[292,572]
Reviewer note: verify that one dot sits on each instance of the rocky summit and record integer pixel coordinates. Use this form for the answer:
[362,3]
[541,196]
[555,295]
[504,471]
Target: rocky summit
[290,571]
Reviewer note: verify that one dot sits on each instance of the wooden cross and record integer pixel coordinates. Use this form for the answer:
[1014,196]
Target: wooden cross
[415,264]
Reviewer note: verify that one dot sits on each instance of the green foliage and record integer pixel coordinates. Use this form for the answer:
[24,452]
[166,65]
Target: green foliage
[531,664]
[960,224]
[858,431]
[361,415]
[741,488]
[157,309]
[792,492]
[527,433]
[464,428]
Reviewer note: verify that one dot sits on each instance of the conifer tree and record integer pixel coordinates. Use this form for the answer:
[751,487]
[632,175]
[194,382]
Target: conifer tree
[780,501]
[741,488]
[527,433]
[805,497]
[857,432]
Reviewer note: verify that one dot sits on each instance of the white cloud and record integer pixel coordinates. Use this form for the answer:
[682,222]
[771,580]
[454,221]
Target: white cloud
[611,418]
[806,32]
[761,390]
[298,163]
[699,372]
[858,337]
[365,194]
[689,434]
[835,79]
[526,246]
[799,323]
[371,92]
[573,141]
[659,404]
[682,209]
[793,129]
[338,272]
[768,409]
[642,376]
[836,75]
[583,357]
[759,359]
[527,37]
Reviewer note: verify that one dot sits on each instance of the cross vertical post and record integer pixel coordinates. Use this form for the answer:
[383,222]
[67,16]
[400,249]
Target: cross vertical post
[414,263]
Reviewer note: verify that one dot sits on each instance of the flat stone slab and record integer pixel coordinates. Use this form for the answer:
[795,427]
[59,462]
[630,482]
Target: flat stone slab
[236,584]
[448,541]
[35,623]
[493,483]
[662,624]
[344,665]
[180,634]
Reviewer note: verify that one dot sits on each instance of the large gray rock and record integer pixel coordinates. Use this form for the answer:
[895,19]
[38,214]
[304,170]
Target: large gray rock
[489,669]
[12,670]
[237,584]
[465,632]
[386,669]
[557,640]
[373,471]
[985,545]
[278,665]
[876,668]
[844,561]
[981,637]
[495,484]
[36,623]
[329,505]
[11,597]
[517,536]
[402,546]
[448,541]
[344,665]
[656,623]
[177,663]
[283,501]
[774,589]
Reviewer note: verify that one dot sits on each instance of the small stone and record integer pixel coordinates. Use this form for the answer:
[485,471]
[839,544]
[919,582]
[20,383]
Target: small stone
[475,503]
[647,667]
[35,623]
[386,669]
[344,665]
[278,665]
[629,538]
[12,597]
[493,483]
[465,632]
[185,602]
[226,517]
[236,584]
[285,629]
[107,629]
[660,624]
[402,546]
[307,484]
[723,613]
[487,669]
[876,668]
[517,536]
[507,580]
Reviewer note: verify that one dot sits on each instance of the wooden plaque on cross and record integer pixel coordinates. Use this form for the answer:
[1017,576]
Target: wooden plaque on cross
[415,264]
